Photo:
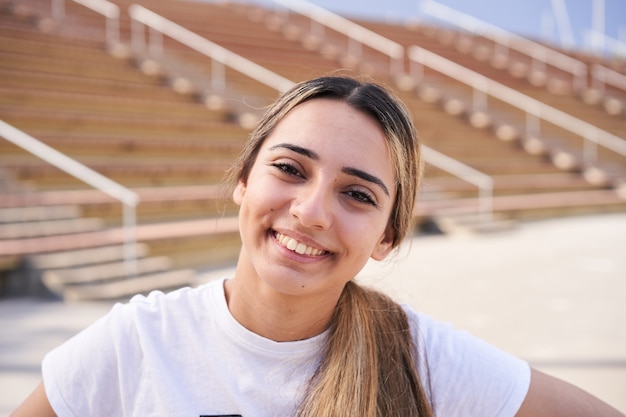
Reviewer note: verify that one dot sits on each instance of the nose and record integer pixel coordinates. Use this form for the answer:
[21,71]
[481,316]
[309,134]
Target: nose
[313,207]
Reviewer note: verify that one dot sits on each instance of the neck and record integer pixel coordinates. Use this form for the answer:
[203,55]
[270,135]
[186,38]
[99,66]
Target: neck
[273,315]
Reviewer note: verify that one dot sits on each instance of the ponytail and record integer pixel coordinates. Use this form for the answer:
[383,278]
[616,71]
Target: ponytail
[369,366]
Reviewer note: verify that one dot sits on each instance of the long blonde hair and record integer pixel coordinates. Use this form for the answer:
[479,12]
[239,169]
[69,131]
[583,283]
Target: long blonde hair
[369,366]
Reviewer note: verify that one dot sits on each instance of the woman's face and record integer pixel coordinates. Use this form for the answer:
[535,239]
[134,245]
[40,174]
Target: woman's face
[316,204]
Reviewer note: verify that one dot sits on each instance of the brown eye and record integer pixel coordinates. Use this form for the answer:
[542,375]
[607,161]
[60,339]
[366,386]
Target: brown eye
[362,197]
[287,169]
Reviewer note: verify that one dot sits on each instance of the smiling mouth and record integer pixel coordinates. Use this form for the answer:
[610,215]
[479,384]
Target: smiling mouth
[296,246]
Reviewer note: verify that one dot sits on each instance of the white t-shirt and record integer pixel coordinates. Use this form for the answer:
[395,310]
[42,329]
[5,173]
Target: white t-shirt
[183,354]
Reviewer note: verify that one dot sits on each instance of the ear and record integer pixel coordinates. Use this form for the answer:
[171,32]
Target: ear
[239,192]
[383,247]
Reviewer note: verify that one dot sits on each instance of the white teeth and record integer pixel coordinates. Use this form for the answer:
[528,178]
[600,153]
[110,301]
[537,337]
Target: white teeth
[296,246]
[301,248]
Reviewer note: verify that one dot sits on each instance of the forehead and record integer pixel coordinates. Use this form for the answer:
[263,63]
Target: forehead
[335,127]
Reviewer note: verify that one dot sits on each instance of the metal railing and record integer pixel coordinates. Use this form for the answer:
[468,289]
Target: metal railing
[603,76]
[223,57]
[357,35]
[504,40]
[534,109]
[261,74]
[481,180]
[128,198]
[601,43]
[107,9]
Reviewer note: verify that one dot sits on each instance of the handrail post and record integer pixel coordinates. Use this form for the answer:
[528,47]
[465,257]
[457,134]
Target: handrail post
[355,48]
[112,31]
[485,201]
[128,198]
[58,9]
[105,8]
[281,13]
[535,51]
[482,181]
[479,97]
[317,29]
[155,42]
[218,76]
[358,36]
[501,48]
[130,239]
[538,63]
[416,65]
[603,76]
[590,149]
[534,112]
[396,65]
[580,78]
[137,36]
[533,122]
[598,78]
[207,48]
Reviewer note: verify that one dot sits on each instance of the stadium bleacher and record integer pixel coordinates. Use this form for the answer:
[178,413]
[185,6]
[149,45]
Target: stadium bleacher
[153,124]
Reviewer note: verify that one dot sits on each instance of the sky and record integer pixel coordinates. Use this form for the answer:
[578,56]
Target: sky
[561,22]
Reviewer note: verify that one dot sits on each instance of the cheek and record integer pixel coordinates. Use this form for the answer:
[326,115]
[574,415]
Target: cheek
[262,197]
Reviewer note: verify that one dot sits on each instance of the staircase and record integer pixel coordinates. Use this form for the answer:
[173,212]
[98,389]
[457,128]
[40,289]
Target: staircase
[549,86]
[81,274]
[505,159]
[129,126]
[148,126]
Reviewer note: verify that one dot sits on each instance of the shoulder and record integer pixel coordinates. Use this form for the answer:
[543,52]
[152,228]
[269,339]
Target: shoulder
[180,295]
[427,329]
[437,334]
[441,341]
[465,375]
[152,318]
[179,302]
[114,357]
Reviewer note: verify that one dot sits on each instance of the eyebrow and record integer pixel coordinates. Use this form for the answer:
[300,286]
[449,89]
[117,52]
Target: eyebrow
[355,172]
[365,176]
[298,149]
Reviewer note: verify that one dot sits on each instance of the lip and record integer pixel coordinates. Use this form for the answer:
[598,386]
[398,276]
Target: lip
[276,234]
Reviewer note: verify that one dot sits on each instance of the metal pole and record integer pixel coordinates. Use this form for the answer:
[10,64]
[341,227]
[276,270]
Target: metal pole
[156,43]
[485,203]
[113,31]
[58,9]
[564,24]
[533,122]
[580,78]
[597,20]
[355,48]
[479,98]
[538,61]
[218,76]
[416,65]
[317,30]
[137,36]
[130,240]
[590,149]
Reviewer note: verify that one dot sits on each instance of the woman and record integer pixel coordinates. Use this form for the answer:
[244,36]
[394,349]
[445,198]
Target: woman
[327,181]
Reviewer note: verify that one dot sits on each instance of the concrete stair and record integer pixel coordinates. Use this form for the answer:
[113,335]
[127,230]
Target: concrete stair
[92,273]
[130,119]
[111,279]
[479,55]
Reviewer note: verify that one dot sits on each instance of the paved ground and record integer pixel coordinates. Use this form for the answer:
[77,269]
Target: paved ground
[551,292]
